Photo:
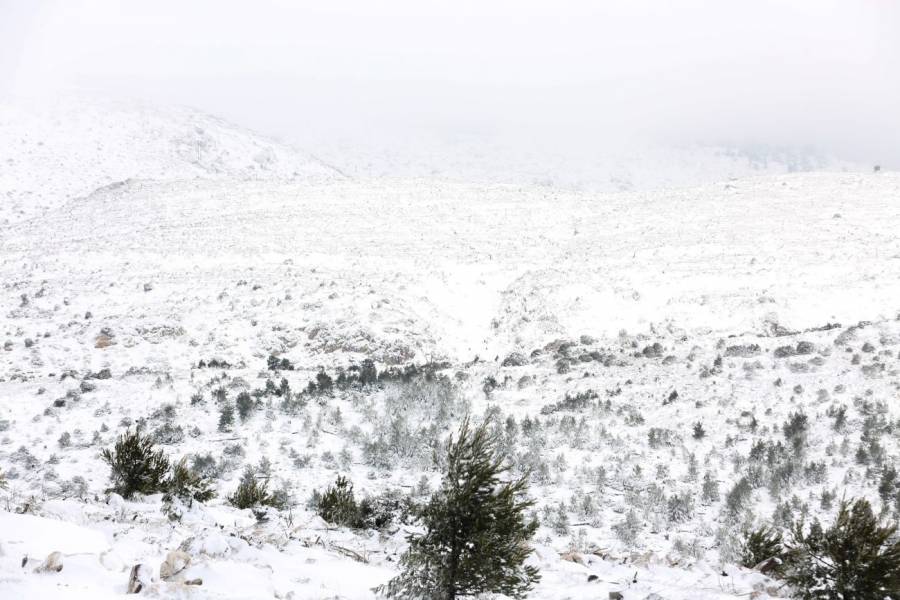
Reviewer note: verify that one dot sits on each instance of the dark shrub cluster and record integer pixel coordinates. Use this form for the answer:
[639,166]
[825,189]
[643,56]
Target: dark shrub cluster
[801,349]
[743,350]
[514,359]
[760,545]
[253,492]
[578,401]
[137,467]
[796,426]
[188,485]
[736,499]
[245,405]
[364,375]
[338,506]
[654,350]
[699,432]
[854,558]
[214,363]
[273,363]
[672,397]
[660,436]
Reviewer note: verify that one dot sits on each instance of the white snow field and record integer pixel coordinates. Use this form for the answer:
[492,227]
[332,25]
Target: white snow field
[605,325]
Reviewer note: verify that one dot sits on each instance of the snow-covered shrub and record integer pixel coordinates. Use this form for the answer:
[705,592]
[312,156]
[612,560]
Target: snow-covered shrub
[709,489]
[74,488]
[414,415]
[245,405]
[736,499]
[660,436]
[889,485]
[166,411]
[25,458]
[573,402]
[206,466]
[692,548]
[854,558]
[514,359]
[337,504]
[699,433]
[761,544]
[188,485]
[273,363]
[168,434]
[680,507]
[796,425]
[627,530]
[253,492]
[226,417]
[559,520]
[136,466]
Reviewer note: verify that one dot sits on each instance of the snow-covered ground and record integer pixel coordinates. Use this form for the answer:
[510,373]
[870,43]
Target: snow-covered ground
[662,308]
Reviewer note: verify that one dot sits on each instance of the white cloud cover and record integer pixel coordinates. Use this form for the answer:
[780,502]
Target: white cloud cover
[823,72]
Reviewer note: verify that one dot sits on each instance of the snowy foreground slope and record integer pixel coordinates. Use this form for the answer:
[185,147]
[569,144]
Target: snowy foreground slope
[605,326]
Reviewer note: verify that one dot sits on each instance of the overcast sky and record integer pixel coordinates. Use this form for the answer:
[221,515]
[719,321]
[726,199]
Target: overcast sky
[791,72]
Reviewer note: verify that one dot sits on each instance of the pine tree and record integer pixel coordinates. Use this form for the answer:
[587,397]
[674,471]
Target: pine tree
[476,537]
[136,466]
[226,417]
[888,484]
[252,492]
[245,406]
[338,505]
[699,432]
[855,558]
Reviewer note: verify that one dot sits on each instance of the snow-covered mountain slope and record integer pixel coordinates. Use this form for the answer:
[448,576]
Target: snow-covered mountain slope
[417,269]
[728,294]
[606,326]
[53,152]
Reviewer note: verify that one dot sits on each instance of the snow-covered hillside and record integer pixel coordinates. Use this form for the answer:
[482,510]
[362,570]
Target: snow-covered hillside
[53,152]
[417,269]
[594,330]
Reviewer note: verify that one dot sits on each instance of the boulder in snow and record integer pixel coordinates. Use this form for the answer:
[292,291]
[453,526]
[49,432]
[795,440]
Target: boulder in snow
[176,562]
[52,564]
[139,578]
